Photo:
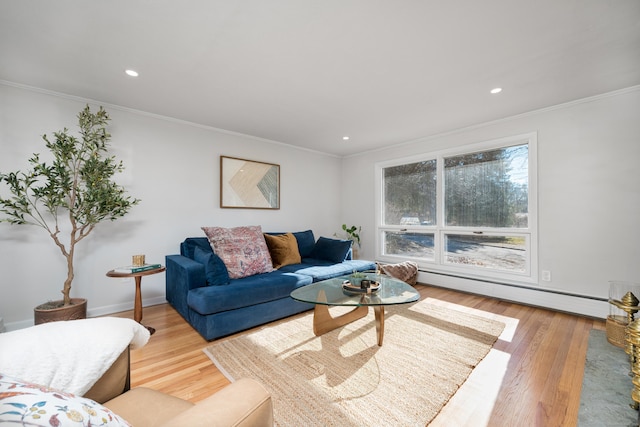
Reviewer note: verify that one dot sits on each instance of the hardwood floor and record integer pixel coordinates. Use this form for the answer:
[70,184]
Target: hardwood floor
[531,377]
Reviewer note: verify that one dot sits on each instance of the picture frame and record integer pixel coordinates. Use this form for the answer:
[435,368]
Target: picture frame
[249,184]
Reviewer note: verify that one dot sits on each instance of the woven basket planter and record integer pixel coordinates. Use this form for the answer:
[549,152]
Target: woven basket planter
[616,326]
[77,310]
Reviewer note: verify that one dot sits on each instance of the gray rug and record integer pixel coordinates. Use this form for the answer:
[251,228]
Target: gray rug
[606,386]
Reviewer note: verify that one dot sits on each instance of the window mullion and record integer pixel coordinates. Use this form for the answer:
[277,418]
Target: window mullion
[439,247]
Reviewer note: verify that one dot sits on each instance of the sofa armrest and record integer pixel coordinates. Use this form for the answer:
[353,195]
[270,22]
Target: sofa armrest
[349,256]
[182,275]
[244,403]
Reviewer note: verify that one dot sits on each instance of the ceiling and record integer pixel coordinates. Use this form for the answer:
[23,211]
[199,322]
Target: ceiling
[308,72]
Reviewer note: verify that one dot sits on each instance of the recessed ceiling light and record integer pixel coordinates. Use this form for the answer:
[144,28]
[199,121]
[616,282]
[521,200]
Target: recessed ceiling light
[496,90]
[131,73]
[346,138]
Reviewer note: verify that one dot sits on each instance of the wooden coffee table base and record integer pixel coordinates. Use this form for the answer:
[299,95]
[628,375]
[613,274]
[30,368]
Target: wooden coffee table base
[323,322]
[331,292]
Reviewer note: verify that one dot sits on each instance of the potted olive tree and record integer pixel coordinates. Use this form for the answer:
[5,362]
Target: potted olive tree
[76,185]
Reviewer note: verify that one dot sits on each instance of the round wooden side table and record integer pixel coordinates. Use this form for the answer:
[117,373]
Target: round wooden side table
[137,306]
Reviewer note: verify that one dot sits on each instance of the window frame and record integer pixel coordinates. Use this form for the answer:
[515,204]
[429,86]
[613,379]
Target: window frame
[440,230]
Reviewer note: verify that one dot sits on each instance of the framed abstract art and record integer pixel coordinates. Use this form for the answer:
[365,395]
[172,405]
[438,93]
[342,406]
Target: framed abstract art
[248,184]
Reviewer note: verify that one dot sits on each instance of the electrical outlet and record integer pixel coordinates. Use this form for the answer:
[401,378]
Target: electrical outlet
[546,276]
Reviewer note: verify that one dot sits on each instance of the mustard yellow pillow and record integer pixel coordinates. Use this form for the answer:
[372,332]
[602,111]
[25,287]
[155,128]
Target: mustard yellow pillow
[283,249]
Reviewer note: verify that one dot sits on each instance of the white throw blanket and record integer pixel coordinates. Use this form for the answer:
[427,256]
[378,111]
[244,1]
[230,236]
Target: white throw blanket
[69,355]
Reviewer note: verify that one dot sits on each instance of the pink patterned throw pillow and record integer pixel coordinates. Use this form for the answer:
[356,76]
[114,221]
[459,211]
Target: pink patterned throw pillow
[242,249]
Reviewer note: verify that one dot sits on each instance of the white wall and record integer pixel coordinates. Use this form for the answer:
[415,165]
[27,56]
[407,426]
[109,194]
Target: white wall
[588,197]
[588,183]
[173,167]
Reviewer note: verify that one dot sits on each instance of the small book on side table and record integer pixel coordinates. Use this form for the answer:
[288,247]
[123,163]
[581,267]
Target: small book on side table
[137,268]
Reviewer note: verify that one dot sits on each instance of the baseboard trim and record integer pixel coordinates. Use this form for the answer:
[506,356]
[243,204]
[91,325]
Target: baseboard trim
[571,303]
[93,312]
[117,308]
[560,301]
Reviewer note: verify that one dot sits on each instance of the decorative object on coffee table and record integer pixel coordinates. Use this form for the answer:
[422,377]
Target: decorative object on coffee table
[137,275]
[366,286]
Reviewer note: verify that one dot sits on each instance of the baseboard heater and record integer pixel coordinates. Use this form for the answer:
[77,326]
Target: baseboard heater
[587,305]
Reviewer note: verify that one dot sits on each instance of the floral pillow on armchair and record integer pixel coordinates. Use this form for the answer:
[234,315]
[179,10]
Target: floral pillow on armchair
[24,403]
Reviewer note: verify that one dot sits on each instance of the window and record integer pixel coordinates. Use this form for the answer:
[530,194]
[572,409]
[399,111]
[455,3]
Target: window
[468,212]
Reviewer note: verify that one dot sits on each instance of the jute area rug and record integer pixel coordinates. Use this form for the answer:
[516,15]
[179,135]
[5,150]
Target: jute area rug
[344,379]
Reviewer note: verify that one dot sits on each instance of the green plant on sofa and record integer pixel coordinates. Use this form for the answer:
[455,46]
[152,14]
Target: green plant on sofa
[352,233]
[76,183]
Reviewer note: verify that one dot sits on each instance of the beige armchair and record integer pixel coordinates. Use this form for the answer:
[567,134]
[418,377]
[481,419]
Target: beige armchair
[242,403]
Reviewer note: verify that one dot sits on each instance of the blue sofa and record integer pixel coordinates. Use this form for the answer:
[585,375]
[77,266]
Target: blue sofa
[217,307]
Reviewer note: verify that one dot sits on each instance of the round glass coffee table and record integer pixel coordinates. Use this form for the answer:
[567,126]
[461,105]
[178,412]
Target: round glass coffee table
[330,292]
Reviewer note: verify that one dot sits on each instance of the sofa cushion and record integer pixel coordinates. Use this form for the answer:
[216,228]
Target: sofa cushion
[24,403]
[306,242]
[188,247]
[283,249]
[321,269]
[243,249]
[245,292]
[333,250]
[214,269]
